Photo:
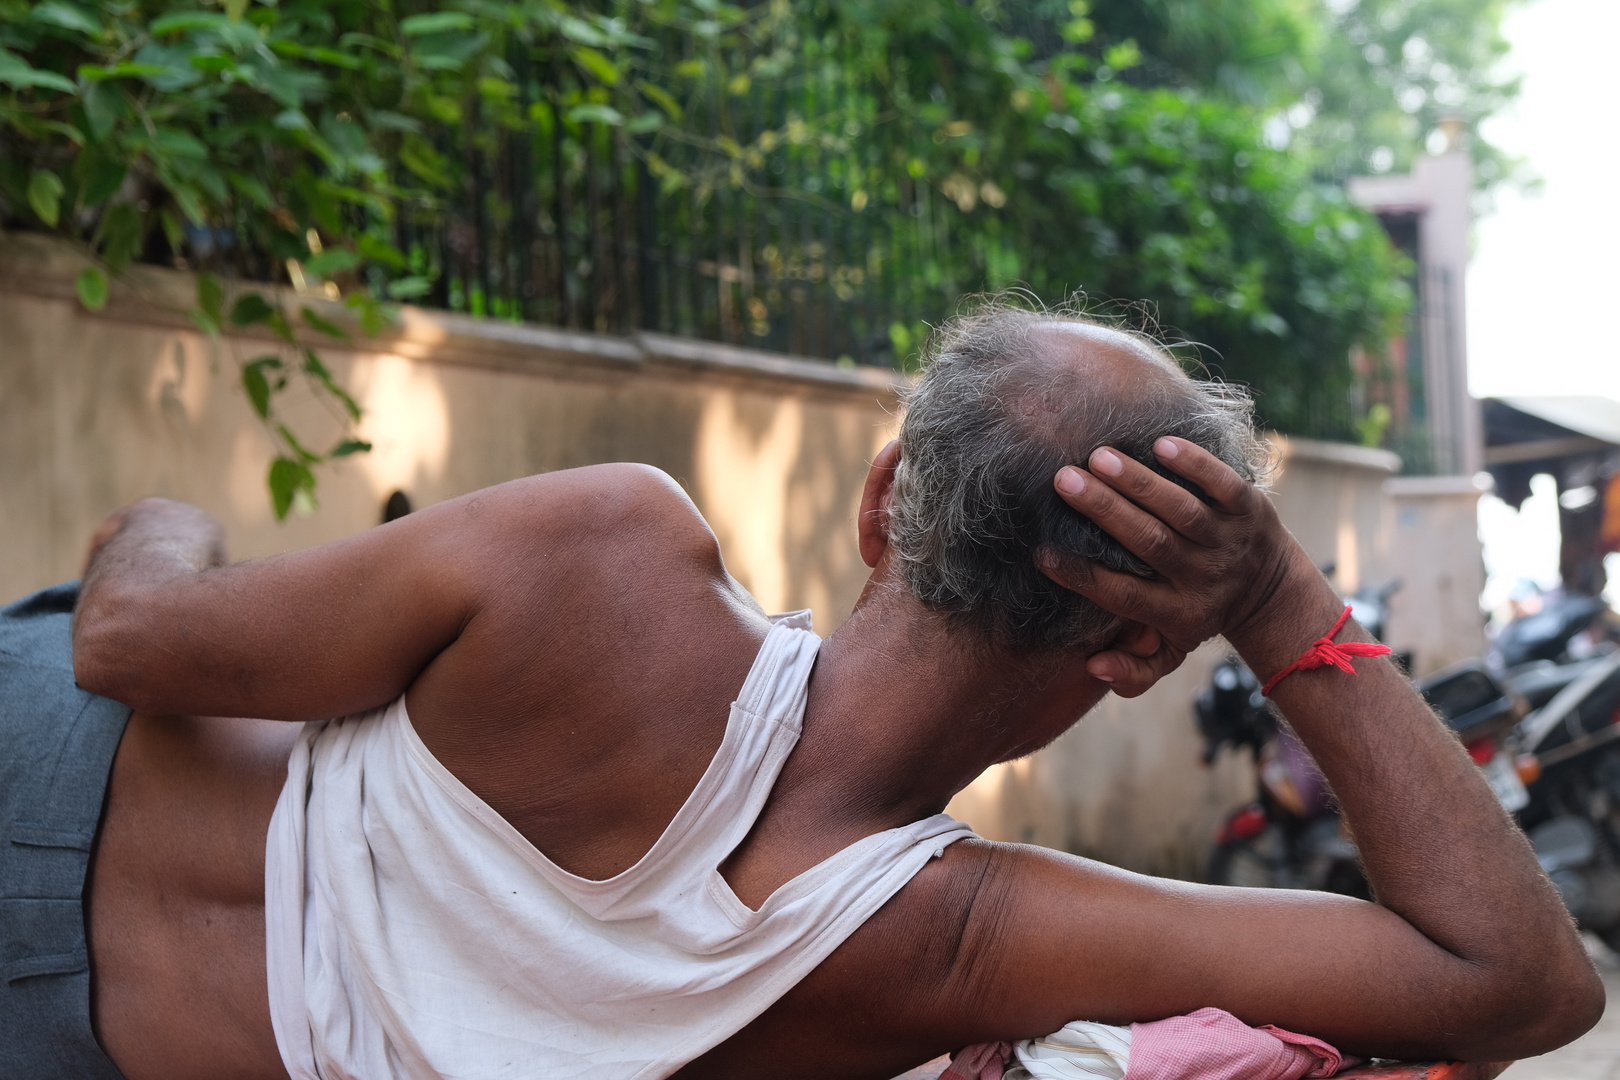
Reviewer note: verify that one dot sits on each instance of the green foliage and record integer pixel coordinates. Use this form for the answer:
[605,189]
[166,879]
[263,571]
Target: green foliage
[986,165]
[972,145]
[1356,86]
[1392,71]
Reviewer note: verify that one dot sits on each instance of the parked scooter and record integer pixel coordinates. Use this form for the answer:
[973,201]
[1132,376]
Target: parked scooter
[1564,663]
[1291,836]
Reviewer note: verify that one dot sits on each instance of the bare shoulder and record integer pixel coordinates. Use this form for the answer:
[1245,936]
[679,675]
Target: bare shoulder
[590,686]
[583,565]
[594,512]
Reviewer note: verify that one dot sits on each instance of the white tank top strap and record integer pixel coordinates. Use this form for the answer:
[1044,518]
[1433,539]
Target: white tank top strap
[778,684]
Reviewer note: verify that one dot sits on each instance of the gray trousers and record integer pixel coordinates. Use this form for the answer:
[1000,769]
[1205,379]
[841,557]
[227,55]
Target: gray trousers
[56,749]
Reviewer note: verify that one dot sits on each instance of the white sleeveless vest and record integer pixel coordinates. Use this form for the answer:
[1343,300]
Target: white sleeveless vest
[413,933]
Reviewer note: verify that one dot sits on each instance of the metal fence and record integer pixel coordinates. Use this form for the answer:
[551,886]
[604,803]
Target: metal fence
[776,242]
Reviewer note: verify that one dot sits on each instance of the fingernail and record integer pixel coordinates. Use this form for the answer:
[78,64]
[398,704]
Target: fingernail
[1106,461]
[1071,481]
[1102,676]
[1166,448]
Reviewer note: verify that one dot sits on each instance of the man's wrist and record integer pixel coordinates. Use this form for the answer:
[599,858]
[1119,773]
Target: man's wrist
[1301,607]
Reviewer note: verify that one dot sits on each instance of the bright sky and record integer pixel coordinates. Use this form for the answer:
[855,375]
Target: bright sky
[1546,266]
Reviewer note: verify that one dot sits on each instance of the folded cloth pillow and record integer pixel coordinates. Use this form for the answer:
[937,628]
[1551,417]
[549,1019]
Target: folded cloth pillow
[1210,1044]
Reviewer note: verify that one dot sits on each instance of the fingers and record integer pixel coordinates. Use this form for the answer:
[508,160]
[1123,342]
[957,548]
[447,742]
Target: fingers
[1169,502]
[1138,639]
[1125,595]
[1129,675]
[1218,479]
[1142,533]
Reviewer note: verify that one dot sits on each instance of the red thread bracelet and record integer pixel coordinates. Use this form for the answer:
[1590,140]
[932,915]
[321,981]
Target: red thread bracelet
[1323,653]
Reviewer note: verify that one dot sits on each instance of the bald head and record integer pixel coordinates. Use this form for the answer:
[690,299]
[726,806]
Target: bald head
[1006,398]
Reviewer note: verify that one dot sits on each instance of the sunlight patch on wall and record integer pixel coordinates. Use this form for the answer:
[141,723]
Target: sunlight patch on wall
[742,482]
[407,421]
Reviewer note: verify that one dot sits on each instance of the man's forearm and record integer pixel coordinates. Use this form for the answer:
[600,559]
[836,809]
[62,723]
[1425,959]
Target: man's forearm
[1437,846]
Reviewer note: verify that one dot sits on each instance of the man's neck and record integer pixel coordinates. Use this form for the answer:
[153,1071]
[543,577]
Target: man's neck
[905,710]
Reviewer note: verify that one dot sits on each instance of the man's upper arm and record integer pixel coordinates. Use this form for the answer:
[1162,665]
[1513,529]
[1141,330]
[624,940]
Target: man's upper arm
[347,626]
[1054,938]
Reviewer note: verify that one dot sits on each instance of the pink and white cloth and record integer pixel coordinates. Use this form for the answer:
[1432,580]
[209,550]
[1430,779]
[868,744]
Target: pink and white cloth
[1210,1044]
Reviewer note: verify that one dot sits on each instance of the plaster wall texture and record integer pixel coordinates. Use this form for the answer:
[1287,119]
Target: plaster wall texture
[98,410]
[1435,551]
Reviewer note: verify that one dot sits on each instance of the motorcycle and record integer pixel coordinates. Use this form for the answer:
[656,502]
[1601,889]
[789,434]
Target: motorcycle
[1291,835]
[1562,661]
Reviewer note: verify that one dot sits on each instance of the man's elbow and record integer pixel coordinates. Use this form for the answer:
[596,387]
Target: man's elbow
[1542,1011]
[1572,1008]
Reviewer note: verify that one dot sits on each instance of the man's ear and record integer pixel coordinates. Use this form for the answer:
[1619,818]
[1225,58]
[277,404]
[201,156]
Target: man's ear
[873,524]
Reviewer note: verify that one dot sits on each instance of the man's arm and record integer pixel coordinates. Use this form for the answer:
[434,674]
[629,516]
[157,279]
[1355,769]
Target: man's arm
[1468,951]
[164,627]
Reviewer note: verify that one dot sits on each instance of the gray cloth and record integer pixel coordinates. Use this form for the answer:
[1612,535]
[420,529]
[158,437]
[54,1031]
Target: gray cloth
[56,749]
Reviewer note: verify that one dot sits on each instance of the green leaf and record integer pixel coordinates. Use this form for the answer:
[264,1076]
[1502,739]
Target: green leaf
[180,144]
[16,73]
[212,62]
[211,299]
[91,285]
[381,252]
[251,308]
[595,114]
[350,446]
[252,188]
[663,99]
[126,70]
[256,384]
[409,288]
[277,322]
[100,175]
[435,23]
[331,261]
[497,89]
[45,195]
[103,107]
[180,21]
[121,235]
[325,326]
[576,29]
[172,230]
[308,52]
[288,480]
[67,17]
[606,72]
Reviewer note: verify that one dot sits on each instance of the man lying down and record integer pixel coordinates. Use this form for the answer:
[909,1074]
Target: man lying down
[586,811]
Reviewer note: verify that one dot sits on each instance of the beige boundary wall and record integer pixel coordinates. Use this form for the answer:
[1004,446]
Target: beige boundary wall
[97,410]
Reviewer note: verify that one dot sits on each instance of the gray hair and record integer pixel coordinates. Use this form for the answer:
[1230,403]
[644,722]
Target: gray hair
[986,428]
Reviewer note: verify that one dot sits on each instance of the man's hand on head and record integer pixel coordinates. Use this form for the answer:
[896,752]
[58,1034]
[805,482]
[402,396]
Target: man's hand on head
[1139,657]
[1219,564]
